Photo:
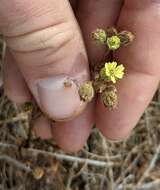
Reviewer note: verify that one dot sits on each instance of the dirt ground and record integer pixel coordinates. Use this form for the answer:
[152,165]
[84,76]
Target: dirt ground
[33,164]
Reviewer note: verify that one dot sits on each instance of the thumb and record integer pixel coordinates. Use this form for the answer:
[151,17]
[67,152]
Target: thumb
[44,38]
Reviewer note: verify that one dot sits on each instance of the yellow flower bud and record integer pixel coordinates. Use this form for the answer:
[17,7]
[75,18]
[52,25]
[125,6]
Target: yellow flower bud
[113,42]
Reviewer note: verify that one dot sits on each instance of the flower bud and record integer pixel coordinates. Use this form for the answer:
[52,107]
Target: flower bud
[126,37]
[111,31]
[86,92]
[27,107]
[38,173]
[99,36]
[113,42]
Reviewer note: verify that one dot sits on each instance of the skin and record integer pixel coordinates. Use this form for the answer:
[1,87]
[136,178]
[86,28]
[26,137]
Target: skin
[26,64]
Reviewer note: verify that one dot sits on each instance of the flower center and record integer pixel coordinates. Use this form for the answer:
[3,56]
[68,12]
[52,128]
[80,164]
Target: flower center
[112,72]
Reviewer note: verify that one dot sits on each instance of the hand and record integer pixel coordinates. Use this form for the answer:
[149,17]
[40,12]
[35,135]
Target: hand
[45,48]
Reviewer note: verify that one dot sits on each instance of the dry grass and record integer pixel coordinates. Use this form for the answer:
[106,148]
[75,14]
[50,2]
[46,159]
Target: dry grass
[33,164]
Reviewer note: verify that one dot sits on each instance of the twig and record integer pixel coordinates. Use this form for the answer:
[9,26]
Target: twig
[15,163]
[148,125]
[149,186]
[71,176]
[155,103]
[124,182]
[101,176]
[72,158]
[65,157]
[122,177]
[4,145]
[110,170]
[151,166]
[80,171]
[145,186]
[124,170]
[104,157]
[19,117]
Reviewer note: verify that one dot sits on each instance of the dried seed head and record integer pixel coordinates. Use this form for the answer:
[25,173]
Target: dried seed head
[111,31]
[38,173]
[109,98]
[126,37]
[99,36]
[27,107]
[86,92]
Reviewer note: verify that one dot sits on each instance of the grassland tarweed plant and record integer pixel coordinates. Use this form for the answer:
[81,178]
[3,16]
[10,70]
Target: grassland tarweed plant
[104,80]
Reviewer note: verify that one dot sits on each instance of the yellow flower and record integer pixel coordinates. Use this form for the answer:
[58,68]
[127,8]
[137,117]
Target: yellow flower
[113,72]
[113,42]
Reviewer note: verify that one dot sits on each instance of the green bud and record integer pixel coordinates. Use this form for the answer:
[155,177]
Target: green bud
[99,36]
[113,42]
[102,73]
[86,92]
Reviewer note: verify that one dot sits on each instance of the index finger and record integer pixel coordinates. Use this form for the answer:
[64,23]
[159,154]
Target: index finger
[142,62]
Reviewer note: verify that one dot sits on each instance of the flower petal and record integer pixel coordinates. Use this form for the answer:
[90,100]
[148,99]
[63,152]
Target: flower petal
[119,75]
[114,64]
[107,69]
[113,79]
[120,68]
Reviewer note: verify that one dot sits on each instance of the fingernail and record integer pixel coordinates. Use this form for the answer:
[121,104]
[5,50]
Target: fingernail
[59,97]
